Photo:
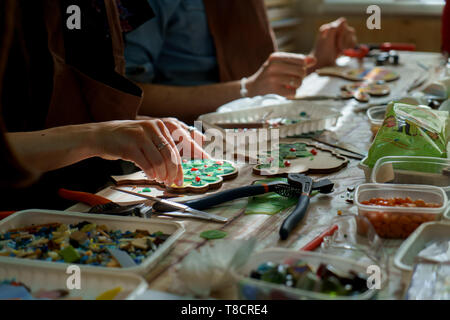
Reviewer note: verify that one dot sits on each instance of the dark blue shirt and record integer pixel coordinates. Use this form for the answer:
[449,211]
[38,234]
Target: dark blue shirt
[174,48]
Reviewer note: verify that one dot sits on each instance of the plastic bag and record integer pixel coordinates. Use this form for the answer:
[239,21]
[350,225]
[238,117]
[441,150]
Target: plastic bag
[209,269]
[410,130]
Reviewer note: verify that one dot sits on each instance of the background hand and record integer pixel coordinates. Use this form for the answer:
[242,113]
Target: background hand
[332,40]
[281,74]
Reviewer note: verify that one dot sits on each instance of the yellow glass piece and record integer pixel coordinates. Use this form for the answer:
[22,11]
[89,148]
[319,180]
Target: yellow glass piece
[110,294]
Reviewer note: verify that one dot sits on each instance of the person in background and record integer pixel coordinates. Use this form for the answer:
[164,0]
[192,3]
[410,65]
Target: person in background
[63,102]
[197,55]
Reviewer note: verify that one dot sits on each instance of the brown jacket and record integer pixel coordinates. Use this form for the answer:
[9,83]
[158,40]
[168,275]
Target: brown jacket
[12,173]
[77,97]
[242,36]
[80,93]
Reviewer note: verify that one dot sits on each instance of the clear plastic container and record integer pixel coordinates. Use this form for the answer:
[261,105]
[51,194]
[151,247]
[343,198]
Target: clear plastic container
[376,118]
[413,170]
[426,234]
[399,222]
[38,217]
[253,289]
[367,170]
[54,277]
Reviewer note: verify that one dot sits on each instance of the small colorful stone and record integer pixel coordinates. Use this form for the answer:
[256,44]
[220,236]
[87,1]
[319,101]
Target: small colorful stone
[313,152]
[293,150]
[69,254]
[213,234]
[110,294]
[198,179]
[287,163]
[194,169]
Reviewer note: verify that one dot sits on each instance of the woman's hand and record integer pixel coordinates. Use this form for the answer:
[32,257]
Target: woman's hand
[281,74]
[146,143]
[333,39]
[189,141]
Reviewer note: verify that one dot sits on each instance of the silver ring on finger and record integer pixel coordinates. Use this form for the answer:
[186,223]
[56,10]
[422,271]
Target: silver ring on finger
[161,146]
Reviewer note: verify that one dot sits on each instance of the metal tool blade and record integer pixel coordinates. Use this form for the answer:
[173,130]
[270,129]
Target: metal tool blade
[179,214]
[204,215]
[178,207]
[328,140]
[324,186]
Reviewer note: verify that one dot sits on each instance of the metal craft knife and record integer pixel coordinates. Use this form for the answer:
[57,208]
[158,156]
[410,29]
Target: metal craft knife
[328,140]
[180,210]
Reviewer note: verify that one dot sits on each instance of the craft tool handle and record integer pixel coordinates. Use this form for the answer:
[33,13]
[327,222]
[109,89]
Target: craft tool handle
[6,214]
[84,197]
[387,46]
[317,241]
[228,195]
[359,52]
[295,217]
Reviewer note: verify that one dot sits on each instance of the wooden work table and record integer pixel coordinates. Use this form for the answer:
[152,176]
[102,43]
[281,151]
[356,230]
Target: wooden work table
[354,128]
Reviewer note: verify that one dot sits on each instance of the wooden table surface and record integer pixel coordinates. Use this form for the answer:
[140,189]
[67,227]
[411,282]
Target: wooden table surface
[354,128]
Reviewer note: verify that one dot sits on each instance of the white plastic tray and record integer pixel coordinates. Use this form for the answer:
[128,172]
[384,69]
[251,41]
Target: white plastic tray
[54,277]
[37,217]
[321,117]
[266,290]
[418,240]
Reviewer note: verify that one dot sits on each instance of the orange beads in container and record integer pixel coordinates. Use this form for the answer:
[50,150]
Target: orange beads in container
[395,211]
[400,202]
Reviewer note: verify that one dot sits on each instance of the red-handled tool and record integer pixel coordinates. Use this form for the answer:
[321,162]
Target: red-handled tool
[388,46]
[6,214]
[364,50]
[99,205]
[359,52]
[102,205]
[84,197]
[317,241]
